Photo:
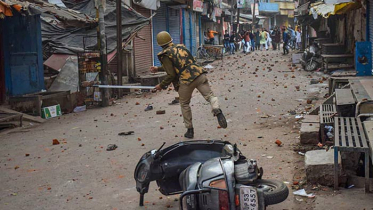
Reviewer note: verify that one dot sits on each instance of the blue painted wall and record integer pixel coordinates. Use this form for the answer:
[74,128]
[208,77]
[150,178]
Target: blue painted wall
[23,58]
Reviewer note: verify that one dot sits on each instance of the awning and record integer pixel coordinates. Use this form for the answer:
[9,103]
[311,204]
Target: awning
[244,21]
[325,10]
[59,15]
[148,4]
[5,10]
[302,8]
[225,6]
[250,17]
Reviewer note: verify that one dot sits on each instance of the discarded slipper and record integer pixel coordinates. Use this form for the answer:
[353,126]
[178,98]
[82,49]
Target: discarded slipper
[150,107]
[111,147]
[126,133]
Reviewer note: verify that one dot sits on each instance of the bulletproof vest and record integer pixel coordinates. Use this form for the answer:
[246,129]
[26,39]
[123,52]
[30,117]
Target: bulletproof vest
[183,62]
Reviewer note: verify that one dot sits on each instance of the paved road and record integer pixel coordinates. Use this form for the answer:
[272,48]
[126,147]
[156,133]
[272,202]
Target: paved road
[256,93]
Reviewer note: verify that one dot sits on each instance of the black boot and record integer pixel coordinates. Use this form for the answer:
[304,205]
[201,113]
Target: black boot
[221,119]
[189,134]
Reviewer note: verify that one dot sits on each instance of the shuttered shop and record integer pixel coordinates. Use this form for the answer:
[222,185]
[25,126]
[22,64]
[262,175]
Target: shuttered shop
[174,24]
[159,24]
[370,38]
[143,56]
[189,24]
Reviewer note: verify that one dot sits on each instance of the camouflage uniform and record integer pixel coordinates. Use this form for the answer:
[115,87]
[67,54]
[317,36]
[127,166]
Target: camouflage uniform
[186,76]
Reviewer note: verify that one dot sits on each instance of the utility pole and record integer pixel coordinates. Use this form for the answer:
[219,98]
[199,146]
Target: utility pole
[232,13]
[119,46]
[253,13]
[102,44]
[238,20]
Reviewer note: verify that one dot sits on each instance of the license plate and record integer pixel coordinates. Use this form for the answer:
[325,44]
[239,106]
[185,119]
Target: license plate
[248,198]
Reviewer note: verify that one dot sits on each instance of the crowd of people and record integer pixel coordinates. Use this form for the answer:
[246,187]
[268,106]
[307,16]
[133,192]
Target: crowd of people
[260,39]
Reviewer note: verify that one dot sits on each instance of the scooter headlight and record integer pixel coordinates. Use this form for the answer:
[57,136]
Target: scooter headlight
[142,173]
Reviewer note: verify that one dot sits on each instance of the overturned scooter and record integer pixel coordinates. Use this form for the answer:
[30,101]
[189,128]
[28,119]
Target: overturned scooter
[208,175]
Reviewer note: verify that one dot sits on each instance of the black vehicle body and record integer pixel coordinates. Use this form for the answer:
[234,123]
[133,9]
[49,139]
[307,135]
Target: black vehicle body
[311,58]
[207,174]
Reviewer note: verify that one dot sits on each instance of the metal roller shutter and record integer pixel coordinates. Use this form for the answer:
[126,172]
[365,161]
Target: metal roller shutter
[159,24]
[370,23]
[143,48]
[174,24]
[190,31]
[194,21]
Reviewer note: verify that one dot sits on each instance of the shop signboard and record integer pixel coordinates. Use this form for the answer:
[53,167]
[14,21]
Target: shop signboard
[197,6]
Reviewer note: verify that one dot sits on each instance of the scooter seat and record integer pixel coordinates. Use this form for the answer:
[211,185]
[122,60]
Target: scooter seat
[189,177]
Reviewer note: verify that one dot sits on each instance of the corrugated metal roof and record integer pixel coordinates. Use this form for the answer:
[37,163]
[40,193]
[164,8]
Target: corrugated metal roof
[66,16]
[5,10]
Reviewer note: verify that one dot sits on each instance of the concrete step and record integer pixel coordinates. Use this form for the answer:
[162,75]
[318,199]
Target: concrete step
[310,133]
[320,167]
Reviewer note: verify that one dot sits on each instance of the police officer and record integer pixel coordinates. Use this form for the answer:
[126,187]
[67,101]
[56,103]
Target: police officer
[186,75]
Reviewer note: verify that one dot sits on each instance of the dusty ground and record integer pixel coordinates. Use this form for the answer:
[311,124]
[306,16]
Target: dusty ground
[81,174]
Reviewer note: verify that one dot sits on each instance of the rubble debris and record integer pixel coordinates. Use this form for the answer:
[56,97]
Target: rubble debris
[55,142]
[314,81]
[111,147]
[126,133]
[161,112]
[303,193]
[80,109]
[27,155]
[278,142]
[148,108]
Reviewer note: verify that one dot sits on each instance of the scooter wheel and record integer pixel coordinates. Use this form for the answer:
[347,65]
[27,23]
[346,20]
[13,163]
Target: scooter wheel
[311,66]
[274,191]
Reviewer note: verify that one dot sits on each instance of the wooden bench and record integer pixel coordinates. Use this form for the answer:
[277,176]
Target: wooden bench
[349,136]
[326,59]
[326,115]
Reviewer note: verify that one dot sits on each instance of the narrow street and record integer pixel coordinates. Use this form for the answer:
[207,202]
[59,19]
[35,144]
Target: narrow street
[258,94]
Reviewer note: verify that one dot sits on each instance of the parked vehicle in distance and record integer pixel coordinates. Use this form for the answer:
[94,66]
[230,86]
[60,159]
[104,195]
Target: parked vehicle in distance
[311,58]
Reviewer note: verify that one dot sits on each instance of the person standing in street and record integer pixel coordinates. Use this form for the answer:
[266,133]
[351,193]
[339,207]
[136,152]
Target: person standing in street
[206,39]
[232,40]
[263,40]
[186,76]
[299,38]
[285,39]
[247,45]
[226,40]
[257,39]
[252,38]
[268,37]
[211,35]
[276,38]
